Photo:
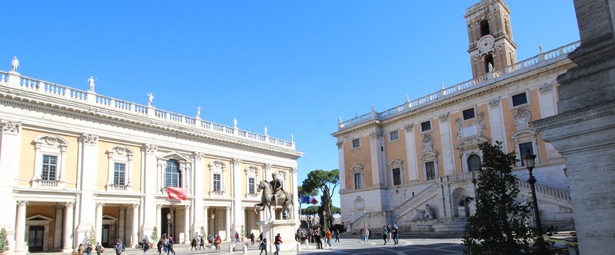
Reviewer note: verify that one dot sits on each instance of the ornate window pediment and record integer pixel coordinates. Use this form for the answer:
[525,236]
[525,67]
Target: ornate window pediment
[217,169]
[50,161]
[471,134]
[119,168]
[252,181]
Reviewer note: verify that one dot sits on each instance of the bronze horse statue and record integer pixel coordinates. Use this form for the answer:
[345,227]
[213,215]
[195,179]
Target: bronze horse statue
[284,199]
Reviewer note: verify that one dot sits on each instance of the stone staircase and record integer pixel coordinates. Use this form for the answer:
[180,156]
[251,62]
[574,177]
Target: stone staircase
[414,202]
[557,201]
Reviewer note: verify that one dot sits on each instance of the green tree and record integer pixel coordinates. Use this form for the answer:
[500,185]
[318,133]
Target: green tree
[335,210]
[310,212]
[4,241]
[91,241]
[324,182]
[498,227]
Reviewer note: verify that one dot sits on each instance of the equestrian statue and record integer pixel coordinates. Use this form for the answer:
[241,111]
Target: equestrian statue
[273,195]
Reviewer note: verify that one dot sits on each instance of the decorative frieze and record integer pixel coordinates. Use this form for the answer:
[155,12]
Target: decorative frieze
[522,118]
[10,127]
[89,139]
[375,134]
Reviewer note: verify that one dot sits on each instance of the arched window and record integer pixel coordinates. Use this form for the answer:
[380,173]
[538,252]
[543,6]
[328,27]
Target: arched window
[473,163]
[489,60]
[484,28]
[172,175]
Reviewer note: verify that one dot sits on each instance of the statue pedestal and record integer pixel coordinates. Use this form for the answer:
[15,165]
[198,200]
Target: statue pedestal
[286,228]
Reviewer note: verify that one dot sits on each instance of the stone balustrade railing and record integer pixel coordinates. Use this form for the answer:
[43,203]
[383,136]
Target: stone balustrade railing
[459,177]
[414,201]
[545,190]
[520,67]
[478,5]
[91,98]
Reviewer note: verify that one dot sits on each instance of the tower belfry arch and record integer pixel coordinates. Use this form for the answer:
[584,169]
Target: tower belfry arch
[491,42]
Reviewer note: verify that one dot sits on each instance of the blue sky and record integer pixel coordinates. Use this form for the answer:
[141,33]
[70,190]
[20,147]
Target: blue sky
[293,66]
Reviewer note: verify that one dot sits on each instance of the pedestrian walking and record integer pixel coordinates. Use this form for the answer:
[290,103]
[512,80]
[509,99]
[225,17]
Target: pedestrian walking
[252,238]
[170,246]
[384,234]
[145,246]
[236,237]
[159,245]
[369,234]
[389,231]
[337,235]
[263,246]
[202,243]
[278,241]
[80,249]
[119,247]
[88,250]
[317,239]
[395,234]
[99,249]
[328,236]
[217,242]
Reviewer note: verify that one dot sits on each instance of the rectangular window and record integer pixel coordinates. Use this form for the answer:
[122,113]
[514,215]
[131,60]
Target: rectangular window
[50,164]
[356,143]
[394,136]
[519,99]
[396,176]
[425,126]
[468,114]
[217,182]
[430,171]
[118,173]
[357,181]
[251,185]
[523,150]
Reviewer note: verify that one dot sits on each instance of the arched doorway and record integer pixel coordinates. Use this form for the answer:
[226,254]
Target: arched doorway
[460,208]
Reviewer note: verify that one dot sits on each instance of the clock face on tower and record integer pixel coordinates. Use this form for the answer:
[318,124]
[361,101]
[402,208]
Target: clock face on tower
[485,43]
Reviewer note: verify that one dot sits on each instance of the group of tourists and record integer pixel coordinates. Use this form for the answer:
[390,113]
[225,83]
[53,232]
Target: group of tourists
[88,249]
[317,236]
[389,232]
[165,243]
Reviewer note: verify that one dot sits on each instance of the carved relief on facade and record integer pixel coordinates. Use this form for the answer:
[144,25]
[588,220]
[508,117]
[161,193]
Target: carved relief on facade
[444,117]
[522,118]
[89,139]
[493,103]
[199,155]
[472,133]
[427,142]
[10,127]
[150,148]
[547,87]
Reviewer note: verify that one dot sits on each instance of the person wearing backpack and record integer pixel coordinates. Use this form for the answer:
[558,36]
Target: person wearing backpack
[99,249]
[145,246]
[263,246]
[119,247]
[88,250]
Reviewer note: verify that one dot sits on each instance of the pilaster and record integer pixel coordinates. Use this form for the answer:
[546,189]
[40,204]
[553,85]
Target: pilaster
[200,215]
[413,174]
[447,145]
[10,148]
[236,185]
[150,187]
[342,169]
[89,164]
[68,227]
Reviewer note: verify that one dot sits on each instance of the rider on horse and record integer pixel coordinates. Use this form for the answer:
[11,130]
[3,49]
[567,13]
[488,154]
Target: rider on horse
[277,187]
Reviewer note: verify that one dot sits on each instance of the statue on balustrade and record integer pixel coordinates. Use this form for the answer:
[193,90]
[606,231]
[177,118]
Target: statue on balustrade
[15,64]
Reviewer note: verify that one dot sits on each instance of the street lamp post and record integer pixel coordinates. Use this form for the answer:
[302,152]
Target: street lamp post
[364,220]
[168,225]
[213,224]
[529,163]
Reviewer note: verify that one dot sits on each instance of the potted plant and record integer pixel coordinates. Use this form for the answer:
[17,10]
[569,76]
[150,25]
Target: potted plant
[4,242]
[154,237]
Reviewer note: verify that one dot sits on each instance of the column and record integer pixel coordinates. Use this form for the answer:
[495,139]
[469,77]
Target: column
[10,148]
[200,211]
[86,213]
[583,130]
[447,145]
[228,223]
[158,220]
[57,227]
[20,226]
[295,193]
[150,186]
[236,186]
[121,225]
[68,227]
[98,227]
[205,225]
[134,240]
[187,231]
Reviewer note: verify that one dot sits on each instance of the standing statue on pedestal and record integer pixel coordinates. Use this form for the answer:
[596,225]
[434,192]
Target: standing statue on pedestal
[91,80]
[15,64]
[150,99]
[273,191]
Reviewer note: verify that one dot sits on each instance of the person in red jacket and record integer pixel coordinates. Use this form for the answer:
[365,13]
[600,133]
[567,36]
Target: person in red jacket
[278,241]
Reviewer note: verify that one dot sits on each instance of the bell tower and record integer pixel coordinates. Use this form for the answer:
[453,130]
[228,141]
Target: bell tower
[491,41]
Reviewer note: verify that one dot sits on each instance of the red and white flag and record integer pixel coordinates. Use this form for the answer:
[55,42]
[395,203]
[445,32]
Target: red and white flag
[176,193]
[314,201]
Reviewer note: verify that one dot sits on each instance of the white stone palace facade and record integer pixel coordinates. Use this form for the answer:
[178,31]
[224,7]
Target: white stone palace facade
[73,162]
[413,165]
